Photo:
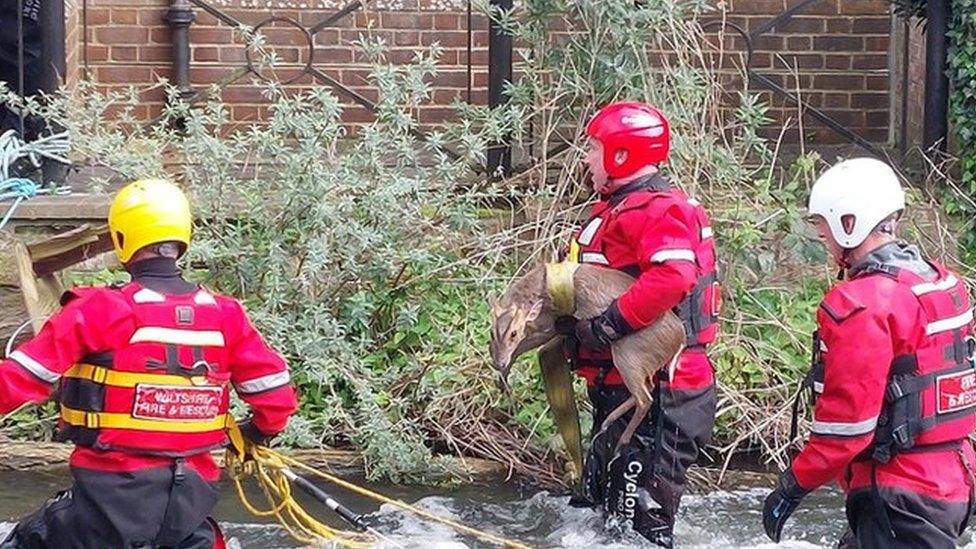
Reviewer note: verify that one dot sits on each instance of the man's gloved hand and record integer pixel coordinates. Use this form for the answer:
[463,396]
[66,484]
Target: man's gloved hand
[781,503]
[244,437]
[253,435]
[599,332]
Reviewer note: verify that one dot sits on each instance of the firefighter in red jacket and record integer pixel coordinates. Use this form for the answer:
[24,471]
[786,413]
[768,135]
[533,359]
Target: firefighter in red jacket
[894,376]
[647,227]
[144,372]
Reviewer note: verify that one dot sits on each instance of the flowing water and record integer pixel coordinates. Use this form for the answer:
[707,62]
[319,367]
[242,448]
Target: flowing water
[722,519]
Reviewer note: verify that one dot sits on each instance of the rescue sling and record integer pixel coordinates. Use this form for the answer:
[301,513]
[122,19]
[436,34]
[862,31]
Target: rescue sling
[163,390]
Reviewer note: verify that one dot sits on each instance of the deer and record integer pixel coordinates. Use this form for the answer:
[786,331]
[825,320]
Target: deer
[525,317]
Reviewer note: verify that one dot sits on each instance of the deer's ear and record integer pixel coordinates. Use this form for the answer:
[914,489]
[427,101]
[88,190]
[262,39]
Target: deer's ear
[534,311]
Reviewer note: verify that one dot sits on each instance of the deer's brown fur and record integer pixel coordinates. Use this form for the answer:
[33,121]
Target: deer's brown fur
[524,319]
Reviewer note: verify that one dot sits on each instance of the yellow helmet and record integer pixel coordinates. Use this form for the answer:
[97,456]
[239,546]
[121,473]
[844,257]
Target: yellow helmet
[148,211]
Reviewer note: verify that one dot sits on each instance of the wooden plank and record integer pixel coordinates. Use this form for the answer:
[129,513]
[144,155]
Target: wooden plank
[69,248]
[42,295]
[78,207]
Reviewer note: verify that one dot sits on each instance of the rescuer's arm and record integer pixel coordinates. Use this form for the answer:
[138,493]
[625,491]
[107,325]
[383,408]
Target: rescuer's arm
[857,352]
[260,376]
[83,326]
[664,241]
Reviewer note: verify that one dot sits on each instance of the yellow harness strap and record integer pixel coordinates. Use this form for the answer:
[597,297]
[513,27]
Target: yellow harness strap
[115,378]
[559,284]
[106,420]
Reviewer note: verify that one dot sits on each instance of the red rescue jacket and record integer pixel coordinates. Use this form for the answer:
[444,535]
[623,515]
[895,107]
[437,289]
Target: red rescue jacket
[654,232]
[145,376]
[896,380]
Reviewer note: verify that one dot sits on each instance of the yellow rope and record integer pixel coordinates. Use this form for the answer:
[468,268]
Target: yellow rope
[267,466]
[491,538]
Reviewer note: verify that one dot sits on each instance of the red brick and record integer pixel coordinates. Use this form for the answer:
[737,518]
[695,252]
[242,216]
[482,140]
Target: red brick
[242,94]
[406,38]
[123,75]
[864,7]
[97,53]
[839,25]
[870,100]
[124,17]
[799,43]
[152,17]
[155,53]
[760,7]
[838,81]
[436,115]
[447,39]
[326,37]
[451,79]
[802,61]
[162,35]
[97,16]
[337,54]
[877,83]
[838,43]
[876,119]
[449,21]
[838,62]
[124,53]
[121,35]
[802,25]
[233,55]
[871,25]
[768,42]
[876,43]
[869,62]
[837,100]
[206,53]
[406,20]
[212,35]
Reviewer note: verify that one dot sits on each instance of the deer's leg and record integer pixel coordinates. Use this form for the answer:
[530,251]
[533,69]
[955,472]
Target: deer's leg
[639,414]
[617,413]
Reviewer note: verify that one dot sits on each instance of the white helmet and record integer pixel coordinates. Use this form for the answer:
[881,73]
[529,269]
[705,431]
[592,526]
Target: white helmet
[864,188]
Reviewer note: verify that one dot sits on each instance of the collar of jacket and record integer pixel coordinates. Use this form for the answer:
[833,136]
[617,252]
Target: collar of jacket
[899,255]
[653,182]
[162,275]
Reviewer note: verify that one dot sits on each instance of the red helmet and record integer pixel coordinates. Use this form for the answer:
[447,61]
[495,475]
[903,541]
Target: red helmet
[637,128]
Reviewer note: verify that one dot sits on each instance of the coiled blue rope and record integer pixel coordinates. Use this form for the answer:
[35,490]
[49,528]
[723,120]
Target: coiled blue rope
[19,189]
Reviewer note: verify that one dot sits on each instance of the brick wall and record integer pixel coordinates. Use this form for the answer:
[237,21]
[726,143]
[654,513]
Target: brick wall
[840,49]
[834,54]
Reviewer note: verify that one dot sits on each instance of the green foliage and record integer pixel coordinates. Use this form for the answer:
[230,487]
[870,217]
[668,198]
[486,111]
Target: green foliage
[962,113]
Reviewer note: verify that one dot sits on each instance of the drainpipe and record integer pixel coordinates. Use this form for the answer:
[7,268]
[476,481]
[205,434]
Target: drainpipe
[499,72]
[936,128]
[180,16]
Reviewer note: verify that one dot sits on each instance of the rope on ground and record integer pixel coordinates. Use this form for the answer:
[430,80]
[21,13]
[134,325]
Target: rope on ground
[268,467]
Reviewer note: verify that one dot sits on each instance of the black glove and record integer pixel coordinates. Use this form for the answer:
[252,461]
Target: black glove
[781,503]
[599,332]
[254,435]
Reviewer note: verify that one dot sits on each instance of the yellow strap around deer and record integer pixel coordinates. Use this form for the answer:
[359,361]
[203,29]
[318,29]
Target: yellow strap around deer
[108,420]
[115,378]
[559,284]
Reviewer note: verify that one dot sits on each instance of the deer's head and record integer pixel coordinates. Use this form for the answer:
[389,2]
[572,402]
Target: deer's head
[517,326]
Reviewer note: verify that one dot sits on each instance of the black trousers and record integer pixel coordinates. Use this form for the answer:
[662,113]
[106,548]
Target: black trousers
[156,508]
[917,522]
[641,486]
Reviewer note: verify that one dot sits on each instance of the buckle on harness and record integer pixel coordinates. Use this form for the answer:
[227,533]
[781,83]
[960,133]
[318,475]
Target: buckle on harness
[900,434]
[894,391]
[91,421]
